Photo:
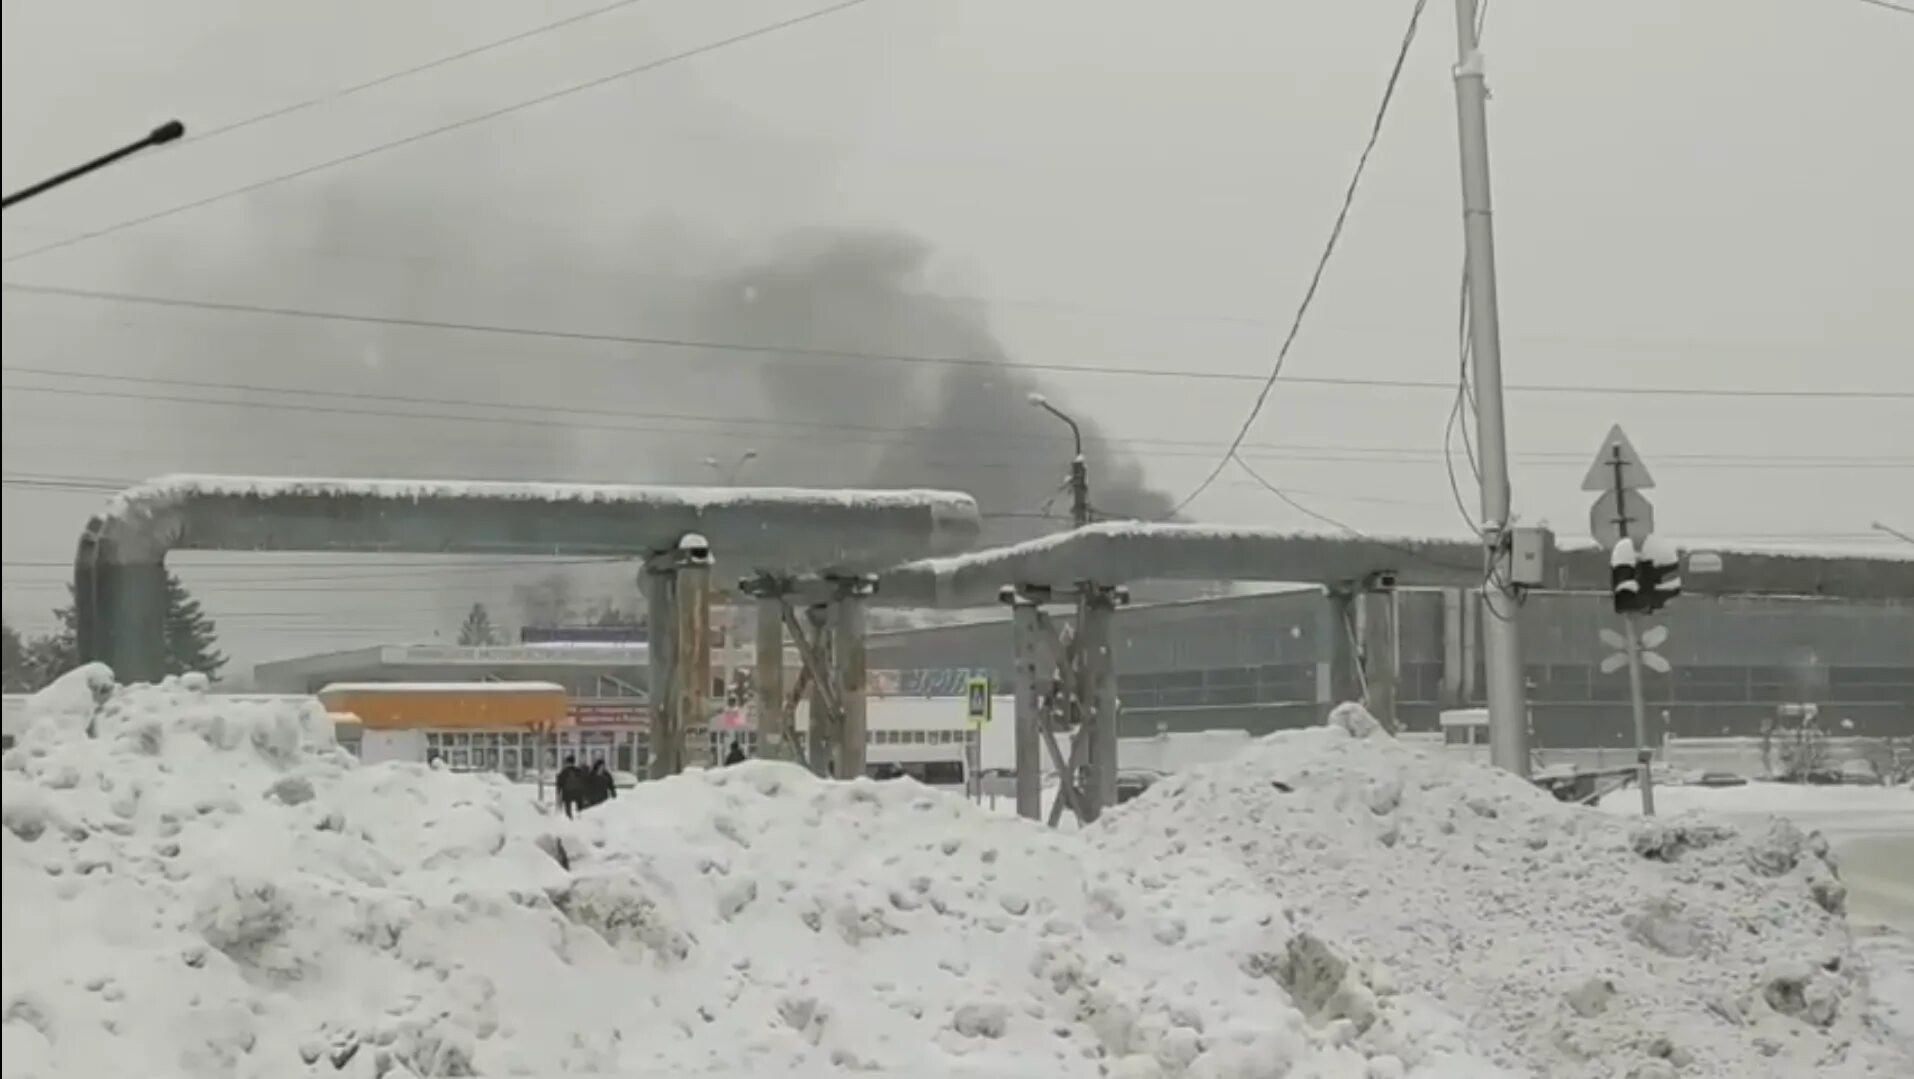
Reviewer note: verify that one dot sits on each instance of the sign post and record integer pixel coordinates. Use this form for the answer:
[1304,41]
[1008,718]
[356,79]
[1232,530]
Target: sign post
[977,712]
[1642,571]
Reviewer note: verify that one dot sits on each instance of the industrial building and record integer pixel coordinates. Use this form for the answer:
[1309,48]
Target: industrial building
[1264,662]
[1268,661]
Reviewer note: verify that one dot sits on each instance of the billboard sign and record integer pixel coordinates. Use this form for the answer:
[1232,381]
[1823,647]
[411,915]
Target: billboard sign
[609,712]
[563,635]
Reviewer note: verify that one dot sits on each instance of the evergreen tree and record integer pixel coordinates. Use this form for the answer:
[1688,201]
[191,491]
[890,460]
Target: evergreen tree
[32,662]
[477,630]
[190,635]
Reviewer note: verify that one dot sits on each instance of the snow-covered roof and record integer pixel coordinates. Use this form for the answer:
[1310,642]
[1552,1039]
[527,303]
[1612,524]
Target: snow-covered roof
[441,687]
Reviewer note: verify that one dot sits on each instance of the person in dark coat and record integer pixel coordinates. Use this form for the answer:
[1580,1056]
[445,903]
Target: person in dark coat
[571,784]
[603,787]
[735,755]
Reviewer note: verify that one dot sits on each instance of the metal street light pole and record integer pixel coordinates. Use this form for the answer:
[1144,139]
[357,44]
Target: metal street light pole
[1895,532]
[1079,470]
[159,136]
[1502,643]
[730,475]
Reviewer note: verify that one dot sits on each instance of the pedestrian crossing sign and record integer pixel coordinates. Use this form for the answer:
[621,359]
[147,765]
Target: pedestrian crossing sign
[978,702]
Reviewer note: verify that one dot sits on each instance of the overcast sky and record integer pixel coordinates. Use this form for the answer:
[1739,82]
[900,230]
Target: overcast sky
[1693,194]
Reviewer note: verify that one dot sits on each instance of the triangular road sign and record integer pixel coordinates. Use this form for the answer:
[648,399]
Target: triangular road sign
[1601,475]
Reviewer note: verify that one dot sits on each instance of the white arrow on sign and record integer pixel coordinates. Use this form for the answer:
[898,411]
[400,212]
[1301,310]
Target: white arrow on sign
[1614,639]
[1653,636]
[1654,661]
[1617,450]
[1614,661]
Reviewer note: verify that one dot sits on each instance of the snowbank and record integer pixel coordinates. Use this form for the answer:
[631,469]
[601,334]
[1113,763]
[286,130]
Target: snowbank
[1571,943]
[1847,809]
[202,887]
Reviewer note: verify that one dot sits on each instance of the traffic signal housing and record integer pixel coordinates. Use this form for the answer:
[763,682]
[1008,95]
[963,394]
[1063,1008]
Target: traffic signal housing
[1658,568]
[1643,579]
[1624,583]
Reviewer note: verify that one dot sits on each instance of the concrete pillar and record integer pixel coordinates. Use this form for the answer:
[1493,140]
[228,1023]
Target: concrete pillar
[1471,647]
[822,733]
[1096,673]
[692,695]
[767,690]
[1452,649]
[1340,675]
[1027,644]
[1380,662]
[661,611]
[849,654]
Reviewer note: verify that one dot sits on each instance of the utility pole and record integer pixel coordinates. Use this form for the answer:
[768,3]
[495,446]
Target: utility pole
[1502,641]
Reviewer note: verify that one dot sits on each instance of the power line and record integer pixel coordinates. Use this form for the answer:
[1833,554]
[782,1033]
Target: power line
[987,362]
[834,428]
[1327,453]
[1322,262]
[1889,5]
[416,69]
[456,125]
[1407,551]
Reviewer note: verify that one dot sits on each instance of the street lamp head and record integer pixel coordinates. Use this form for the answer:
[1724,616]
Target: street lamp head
[1037,399]
[749,455]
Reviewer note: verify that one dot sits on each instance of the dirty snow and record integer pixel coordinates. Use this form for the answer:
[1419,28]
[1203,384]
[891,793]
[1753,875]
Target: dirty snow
[1571,943]
[197,887]
[209,888]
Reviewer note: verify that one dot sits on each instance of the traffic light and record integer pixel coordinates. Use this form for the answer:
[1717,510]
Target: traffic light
[1623,577]
[1644,579]
[1658,572]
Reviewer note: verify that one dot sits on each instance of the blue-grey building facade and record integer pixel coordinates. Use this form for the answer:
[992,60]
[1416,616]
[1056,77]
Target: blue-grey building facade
[1264,662]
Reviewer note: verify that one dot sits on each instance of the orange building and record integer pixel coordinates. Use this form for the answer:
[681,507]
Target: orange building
[472,726]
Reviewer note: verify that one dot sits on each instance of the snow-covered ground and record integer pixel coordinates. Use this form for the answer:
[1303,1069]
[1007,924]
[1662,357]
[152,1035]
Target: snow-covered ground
[1871,831]
[198,887]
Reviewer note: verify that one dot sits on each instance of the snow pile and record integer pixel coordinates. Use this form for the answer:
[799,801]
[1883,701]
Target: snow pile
[1570,942]
[204,887]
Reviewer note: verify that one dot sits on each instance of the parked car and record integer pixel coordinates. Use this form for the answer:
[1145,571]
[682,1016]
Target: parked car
[1134,782]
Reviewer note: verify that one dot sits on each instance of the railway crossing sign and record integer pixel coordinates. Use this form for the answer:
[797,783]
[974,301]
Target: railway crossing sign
[1651,638]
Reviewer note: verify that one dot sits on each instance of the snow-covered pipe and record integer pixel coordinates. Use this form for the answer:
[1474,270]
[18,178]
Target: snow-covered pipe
[119,574]
[1124,552]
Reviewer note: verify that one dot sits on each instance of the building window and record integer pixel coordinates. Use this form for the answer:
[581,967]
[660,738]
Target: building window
[721,743]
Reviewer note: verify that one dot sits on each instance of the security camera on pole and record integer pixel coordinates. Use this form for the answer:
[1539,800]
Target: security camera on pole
[1644,570]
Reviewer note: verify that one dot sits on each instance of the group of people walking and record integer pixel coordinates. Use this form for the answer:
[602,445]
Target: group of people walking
[581,788]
